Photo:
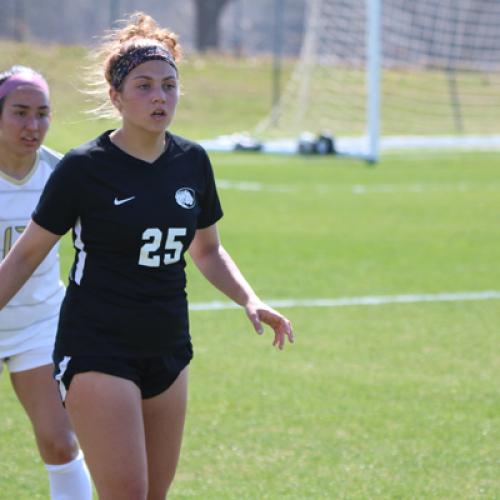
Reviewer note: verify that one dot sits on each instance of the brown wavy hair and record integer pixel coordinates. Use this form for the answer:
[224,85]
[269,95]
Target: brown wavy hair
[138,30]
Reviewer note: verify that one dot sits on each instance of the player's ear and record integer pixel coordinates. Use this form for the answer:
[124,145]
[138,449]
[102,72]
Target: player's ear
[115,98]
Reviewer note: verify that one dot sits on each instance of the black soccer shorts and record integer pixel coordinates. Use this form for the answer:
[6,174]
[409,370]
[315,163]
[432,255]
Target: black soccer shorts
[152,375]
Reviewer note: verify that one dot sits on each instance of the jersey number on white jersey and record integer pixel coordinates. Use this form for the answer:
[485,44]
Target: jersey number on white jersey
[153,238]
[7,237]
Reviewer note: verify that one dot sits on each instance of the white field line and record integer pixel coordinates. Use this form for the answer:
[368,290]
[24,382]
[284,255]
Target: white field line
[358,189]
[254,186]
[371,300]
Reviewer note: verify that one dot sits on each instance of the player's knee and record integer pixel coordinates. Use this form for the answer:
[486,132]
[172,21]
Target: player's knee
[159,493]
[138,490]
[57,448]
[130,487]
[159,487]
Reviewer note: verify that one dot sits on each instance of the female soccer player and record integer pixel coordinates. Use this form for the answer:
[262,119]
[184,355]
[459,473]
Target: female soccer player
[29,321]
[137,198]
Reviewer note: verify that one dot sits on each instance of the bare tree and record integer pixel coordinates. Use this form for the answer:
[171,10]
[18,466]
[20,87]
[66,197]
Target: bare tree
[4,18]
[114,11]
[207,16]
[21,29]
[13,22]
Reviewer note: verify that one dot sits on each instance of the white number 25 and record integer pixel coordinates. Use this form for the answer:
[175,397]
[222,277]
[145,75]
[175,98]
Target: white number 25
[153,237]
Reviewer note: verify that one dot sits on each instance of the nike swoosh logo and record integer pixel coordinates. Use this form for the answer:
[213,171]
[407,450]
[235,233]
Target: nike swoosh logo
[121,202]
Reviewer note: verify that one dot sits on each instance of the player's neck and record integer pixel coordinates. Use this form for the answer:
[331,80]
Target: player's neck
[14,165]
[139,144]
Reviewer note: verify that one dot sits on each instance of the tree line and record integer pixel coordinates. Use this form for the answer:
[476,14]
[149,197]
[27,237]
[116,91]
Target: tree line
[203,24]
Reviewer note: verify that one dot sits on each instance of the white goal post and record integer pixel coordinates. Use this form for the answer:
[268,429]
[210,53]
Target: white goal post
[388,74]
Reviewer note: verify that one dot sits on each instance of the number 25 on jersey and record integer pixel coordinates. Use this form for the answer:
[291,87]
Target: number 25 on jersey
[149,255]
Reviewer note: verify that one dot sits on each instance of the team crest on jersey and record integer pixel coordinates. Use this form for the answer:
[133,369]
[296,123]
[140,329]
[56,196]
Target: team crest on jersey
[185,197]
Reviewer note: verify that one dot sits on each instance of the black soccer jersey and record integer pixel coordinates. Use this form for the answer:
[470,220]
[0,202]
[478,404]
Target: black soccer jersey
[132,222]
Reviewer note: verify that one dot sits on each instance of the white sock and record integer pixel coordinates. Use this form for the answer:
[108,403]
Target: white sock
[70,481]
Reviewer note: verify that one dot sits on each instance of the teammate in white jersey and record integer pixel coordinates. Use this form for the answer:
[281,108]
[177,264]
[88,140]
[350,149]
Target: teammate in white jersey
[29,321]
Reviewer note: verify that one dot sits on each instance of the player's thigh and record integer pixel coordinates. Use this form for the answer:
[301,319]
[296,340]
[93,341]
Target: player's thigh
[106,413]
[164,417]
[31,373]
[37,391]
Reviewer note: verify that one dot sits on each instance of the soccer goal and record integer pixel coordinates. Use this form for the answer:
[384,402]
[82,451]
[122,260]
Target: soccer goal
[391,74]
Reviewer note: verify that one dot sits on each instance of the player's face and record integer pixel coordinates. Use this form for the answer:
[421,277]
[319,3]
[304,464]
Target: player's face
[149,96]
[24,120]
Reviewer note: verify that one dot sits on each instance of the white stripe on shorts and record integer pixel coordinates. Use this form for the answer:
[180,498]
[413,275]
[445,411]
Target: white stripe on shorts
[62,367]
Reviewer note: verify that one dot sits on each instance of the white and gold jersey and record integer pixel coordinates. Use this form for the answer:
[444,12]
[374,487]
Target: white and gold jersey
[40,298]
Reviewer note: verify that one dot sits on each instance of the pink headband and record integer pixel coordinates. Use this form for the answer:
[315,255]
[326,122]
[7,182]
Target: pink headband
[25,78]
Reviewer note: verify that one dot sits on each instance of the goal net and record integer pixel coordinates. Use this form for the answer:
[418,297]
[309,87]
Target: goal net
[382,74]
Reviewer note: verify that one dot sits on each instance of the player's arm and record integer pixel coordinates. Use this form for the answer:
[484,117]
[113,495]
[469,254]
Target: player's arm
[22,260]
[219,268]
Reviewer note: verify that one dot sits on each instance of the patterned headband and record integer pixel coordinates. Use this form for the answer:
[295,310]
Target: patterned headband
[130,60]
[21,79]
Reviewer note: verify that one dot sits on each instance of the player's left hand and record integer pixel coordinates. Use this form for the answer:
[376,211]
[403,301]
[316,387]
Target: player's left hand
[258,312]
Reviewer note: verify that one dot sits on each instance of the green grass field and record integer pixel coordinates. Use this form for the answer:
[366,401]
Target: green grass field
[392,401]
